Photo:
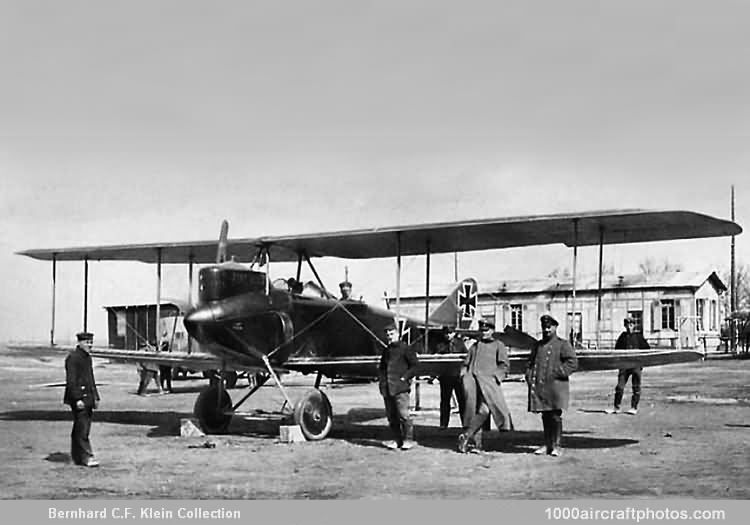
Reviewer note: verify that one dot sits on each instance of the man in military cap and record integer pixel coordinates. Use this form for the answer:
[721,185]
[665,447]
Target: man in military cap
[551,362]
[486,365]
[82,396]
[398,364]
[629,340]
[346,291]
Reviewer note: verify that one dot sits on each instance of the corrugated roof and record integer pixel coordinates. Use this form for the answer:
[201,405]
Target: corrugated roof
[691,280]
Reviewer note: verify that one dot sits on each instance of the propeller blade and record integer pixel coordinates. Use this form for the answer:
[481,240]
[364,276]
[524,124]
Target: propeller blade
[221,252]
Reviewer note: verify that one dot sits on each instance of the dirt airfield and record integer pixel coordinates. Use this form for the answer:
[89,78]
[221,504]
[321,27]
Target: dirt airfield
[690,439]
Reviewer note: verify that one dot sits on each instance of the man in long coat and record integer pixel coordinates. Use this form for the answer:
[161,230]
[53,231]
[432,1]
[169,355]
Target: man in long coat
[629,340]
[398,365]
[551,362]
[483,371]
[82,396]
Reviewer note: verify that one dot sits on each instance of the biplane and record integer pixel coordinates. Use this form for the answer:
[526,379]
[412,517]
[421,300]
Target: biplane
[244,320]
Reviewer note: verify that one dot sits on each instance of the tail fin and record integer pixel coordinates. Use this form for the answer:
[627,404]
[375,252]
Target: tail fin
[459,308]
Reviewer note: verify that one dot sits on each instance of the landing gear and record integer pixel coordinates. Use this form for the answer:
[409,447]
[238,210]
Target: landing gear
[314,415]
[213,410]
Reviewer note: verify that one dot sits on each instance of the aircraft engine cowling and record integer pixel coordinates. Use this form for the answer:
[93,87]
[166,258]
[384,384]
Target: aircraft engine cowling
[250,323]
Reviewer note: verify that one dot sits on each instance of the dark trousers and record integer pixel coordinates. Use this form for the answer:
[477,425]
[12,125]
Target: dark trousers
[479,421]
[397,412]
[552,423]
[80,446]
[622,379]
[165,377]
[146,377]
[448,385]
[472,402]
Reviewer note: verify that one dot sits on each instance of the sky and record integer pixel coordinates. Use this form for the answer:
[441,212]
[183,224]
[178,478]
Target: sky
[149,121]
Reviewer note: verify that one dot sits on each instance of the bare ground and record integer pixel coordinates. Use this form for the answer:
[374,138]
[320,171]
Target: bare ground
[690,439]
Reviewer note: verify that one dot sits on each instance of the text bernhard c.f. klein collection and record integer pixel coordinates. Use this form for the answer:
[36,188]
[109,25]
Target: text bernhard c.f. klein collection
[144,513]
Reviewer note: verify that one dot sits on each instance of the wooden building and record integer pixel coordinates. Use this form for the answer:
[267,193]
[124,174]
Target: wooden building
[134,326]
[673,310]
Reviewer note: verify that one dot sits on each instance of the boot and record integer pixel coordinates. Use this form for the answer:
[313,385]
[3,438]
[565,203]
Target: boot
[478,445]
[556,435]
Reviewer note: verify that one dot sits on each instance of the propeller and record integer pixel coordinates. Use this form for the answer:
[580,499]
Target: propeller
[221,252]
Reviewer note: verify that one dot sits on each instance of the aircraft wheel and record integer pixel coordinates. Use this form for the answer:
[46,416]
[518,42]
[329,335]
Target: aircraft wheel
[230,378]
[314,415]
[212,417]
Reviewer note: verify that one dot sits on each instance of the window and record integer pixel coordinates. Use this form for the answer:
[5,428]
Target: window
[700,312]
[713,316]
[637,317]
[122,324]
[667,314]
[516,316]
[576,329]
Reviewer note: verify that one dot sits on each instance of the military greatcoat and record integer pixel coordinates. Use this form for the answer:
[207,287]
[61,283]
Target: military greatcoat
[550,364]
[484,369]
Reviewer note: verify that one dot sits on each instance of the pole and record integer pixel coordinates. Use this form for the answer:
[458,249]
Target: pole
[455,280]
[733,292]
[427,300]
[54,288]
[85,294]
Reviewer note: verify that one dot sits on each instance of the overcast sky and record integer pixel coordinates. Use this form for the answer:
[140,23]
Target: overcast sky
[148,121]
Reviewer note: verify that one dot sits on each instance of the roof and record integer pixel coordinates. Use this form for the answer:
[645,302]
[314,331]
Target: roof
[691,280]
[581,229]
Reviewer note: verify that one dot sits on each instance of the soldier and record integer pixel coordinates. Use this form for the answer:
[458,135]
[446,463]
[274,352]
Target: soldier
[450,381]
[483,371]
[396,369]
[629,340]
[346,291]
[551,362]
[82,396]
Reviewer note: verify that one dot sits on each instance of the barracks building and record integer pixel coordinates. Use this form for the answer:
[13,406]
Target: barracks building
[672,310]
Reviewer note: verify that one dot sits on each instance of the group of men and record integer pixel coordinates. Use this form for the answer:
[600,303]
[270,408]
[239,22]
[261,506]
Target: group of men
[478,384]
[551,362]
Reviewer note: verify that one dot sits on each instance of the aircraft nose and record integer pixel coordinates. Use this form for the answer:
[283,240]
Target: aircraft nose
[200,316]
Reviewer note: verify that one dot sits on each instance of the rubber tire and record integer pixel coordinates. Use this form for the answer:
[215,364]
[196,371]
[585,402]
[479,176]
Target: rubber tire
[314,415]
[210,420]
[230,378]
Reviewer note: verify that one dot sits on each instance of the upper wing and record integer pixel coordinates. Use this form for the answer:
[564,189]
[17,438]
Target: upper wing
[611,227]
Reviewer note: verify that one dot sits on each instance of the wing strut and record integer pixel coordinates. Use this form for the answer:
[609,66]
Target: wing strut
[398,281]
[54,287]
[573,331]
[599,289]
[190,298]
[157,331]
[85,294]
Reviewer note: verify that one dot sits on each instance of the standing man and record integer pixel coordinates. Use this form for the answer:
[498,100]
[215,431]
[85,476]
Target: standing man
[629,340]
[551,362]
[83,398]
[483,371]
[165,371]
[346,291]
[450,381]
[398,364]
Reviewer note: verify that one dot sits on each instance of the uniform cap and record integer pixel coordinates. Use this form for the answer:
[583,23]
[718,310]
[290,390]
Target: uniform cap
[484,325]
[345,284]
[548,320]
[85,336]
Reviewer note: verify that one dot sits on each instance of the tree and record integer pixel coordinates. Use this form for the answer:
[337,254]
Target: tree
[650,266]
[742,286]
